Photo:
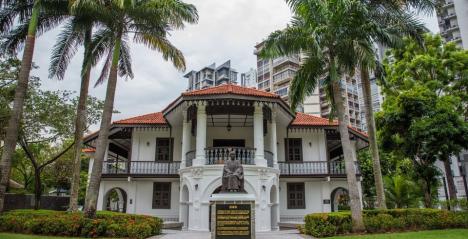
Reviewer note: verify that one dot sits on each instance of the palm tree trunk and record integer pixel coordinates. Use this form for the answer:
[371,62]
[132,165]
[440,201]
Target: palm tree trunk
[366,91]
[450,183]
[349,158]
[80,124]
[17,110]
[103,138]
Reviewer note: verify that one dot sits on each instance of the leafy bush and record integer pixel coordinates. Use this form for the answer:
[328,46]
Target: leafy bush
[106,224]
[331,224]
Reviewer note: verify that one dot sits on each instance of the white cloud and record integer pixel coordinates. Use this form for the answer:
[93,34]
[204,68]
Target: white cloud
[226,30]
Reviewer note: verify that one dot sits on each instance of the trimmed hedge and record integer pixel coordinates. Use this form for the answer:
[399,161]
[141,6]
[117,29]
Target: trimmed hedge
[337,223]
[106,224]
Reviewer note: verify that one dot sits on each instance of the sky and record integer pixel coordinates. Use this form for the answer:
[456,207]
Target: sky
[226,30]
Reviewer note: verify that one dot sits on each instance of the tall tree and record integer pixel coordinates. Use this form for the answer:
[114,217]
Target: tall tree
[336,37]
[330,54]
[77,31]
[388,9]
[48,13]
[149,21]
[442,69]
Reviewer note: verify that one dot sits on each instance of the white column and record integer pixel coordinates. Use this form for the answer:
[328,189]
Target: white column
[273,139]
[201,135]
[185,140]
[258,136]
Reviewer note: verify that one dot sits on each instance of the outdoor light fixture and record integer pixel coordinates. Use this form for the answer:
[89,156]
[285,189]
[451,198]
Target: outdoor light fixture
[229,127]
[264,187]
[196,186]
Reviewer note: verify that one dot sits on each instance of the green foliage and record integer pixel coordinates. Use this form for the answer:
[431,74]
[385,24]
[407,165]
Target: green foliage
[422,116]
[331,224]
[401,192]
[106,224]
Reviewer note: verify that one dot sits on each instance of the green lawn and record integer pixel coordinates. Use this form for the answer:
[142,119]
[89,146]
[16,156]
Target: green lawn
[436,234]
[24,236]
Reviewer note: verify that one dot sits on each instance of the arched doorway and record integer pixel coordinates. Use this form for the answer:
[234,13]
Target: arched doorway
[339,199]
[274,208]
[115,200]
[185,206]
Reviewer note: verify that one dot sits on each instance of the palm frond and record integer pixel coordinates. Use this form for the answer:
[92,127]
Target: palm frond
[125,61]
[105,69]
[64,49]
[307,79]
[99,47]
[164,46]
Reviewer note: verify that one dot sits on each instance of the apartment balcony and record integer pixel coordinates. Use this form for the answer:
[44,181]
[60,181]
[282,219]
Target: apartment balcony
[140,169]
[450,15]
[448,3]
[219,155]
[314,169]
[281,60]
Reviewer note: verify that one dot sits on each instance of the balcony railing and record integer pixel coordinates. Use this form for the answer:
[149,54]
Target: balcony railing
[322,168]
[217,155]
[141,167]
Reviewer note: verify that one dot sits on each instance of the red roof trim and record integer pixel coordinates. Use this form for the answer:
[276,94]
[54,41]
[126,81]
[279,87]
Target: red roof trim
[302,119]
[231,89]
[152,118]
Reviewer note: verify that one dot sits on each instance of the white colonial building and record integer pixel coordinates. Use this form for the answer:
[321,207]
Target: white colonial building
[169,163]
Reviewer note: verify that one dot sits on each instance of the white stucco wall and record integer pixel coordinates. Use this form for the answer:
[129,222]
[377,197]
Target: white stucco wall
[144,143]
[140,196]
[313,144]
[316,190]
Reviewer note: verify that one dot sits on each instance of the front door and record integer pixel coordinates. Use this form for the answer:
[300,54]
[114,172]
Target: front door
[228,143]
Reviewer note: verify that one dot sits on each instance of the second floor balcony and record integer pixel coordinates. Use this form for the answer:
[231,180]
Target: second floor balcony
[219,155]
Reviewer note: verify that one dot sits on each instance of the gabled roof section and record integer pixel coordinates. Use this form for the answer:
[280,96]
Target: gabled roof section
[311,120]
[150,119]
[231,89]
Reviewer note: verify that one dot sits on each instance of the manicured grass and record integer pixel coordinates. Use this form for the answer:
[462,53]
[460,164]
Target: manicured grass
[24,236]
[434,234]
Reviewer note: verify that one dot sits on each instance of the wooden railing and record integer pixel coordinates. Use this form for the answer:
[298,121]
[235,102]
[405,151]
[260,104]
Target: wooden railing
[218,155]
[313,168]
[141,167]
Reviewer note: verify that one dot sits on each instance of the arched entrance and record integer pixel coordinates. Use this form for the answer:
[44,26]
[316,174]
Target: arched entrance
[339,199]
[274,208]
[115,200]
[185,206]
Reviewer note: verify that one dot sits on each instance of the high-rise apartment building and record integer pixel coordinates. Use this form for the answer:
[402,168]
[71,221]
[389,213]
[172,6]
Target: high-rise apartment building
[249,78]
[275,75]
[211,75]
[452,16]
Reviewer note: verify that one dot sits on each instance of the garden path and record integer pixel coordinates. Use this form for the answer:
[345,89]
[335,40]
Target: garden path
[173,234]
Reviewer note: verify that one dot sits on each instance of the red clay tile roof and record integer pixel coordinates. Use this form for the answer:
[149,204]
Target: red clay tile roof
[153,118]
[311,120]
[231,89]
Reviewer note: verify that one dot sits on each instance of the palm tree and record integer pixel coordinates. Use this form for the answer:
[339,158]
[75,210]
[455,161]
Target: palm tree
[32,16]
[149,21]
[76,31]
[387,9]
[401,192]
[335,37]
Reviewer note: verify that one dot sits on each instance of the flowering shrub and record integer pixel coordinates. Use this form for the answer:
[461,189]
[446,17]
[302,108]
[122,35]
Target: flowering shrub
[106,224]
[331,224]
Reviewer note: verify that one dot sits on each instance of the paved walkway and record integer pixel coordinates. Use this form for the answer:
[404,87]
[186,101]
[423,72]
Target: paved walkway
[173,234]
